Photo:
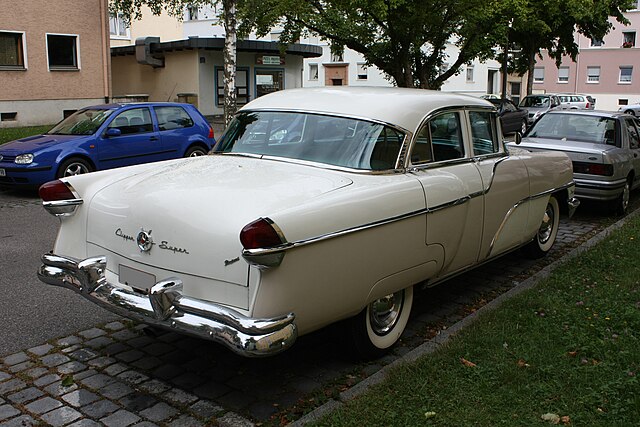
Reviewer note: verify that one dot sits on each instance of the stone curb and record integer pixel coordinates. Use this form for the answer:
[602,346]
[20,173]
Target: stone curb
[433,344]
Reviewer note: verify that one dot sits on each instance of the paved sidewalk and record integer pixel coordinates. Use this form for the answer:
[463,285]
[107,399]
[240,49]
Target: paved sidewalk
[117,375]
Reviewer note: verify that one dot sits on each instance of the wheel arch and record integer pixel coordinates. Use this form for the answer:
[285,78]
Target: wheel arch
[196,143]
[82,156]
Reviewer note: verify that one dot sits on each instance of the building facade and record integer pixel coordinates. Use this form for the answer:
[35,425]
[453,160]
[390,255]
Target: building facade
[52,61]
[608,69]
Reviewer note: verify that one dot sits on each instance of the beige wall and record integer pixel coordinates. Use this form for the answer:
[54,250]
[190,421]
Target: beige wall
[164,26]
[179,75]
[85,18]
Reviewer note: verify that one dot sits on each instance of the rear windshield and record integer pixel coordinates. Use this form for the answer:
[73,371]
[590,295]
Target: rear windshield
[336,141]
[535,101]
[83,122]
[575,127]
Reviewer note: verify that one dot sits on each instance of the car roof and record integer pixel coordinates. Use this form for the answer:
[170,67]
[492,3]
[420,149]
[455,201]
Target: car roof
[597,113]
[403,107]
[114,106]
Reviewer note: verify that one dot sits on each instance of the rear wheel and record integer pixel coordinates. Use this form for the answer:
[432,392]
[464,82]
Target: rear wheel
[523,127]
[547,232]
[633,113]
[378,327]
[622,202]
[73,166]
[195,151]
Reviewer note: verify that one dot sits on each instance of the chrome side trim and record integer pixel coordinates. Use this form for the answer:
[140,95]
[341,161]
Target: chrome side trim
[248,253]
[166,306]
[515,206]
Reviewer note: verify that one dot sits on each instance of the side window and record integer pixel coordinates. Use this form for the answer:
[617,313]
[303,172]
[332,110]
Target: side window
[136,120]
[421,152]
[386,150]
[508,106]
[634,137]
[173,118]
[483,133]
[446,137]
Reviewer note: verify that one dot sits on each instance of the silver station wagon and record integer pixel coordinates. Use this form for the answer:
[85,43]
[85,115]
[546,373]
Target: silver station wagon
[604,148]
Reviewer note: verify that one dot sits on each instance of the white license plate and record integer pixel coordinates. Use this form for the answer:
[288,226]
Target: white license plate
[2,172]
[136,278]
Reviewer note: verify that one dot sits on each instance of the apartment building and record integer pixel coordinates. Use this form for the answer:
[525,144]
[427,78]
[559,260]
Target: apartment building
[54,59]
[608,69]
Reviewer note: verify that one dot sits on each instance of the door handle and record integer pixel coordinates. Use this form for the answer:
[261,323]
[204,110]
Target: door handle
[153,138]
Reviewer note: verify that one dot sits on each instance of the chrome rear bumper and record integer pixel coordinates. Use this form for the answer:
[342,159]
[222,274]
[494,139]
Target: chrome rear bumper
[165,306]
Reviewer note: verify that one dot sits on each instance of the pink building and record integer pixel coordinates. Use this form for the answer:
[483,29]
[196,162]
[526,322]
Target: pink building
[608,70]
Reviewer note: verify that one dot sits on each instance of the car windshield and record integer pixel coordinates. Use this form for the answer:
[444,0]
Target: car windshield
[83,122]
[575,127]
[535,101]
[336,141]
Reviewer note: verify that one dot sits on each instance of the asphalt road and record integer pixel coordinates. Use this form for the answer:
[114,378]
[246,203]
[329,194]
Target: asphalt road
[30,311]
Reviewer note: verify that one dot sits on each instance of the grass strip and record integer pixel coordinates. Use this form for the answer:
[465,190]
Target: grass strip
[10,134]
[565,352]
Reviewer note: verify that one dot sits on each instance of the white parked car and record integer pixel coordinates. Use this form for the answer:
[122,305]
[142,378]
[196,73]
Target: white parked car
[317,205]
[633,109]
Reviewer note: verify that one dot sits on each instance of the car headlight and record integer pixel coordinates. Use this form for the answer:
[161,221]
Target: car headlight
[24,159]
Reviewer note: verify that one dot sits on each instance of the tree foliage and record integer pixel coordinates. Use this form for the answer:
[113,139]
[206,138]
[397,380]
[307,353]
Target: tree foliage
[409,40]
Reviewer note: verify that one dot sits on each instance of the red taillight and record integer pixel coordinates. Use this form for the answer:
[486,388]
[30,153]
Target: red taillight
[593,168]
[260,234]
[55,190]
[587,107]
[211,132]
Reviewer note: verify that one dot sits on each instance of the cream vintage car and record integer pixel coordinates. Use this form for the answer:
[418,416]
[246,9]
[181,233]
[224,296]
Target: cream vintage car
[317,205]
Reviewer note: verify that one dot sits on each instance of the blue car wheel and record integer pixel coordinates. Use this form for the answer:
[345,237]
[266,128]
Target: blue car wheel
[73,166]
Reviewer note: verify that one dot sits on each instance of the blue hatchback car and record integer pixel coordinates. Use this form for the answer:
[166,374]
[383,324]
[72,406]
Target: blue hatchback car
[104,137]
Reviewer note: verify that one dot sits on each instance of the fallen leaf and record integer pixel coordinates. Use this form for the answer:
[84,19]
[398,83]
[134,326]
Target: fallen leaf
[430,414]
[565,420]
[465,362]
[552,418]
[572,353]
[67,381]
[522,363]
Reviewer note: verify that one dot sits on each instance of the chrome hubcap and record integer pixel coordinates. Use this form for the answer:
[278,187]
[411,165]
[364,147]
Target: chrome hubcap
[544,232]
[625,197]
[196,153]
[384,313]
[75,169]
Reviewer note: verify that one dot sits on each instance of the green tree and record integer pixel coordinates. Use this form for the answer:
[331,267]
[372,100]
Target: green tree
[175,8]
[407,39]
[551,25]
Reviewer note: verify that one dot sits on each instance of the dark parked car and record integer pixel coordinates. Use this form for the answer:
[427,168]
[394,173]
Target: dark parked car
[537,105]
[512,118]
[604,148]
[105,137]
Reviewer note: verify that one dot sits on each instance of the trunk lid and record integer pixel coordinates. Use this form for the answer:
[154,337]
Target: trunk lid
[576,150]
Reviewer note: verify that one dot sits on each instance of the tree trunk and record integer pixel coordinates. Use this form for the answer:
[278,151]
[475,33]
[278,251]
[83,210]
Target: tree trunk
[230,24]
[532,65]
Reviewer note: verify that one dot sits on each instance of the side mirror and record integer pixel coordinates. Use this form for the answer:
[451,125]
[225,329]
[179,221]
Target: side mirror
[518,138]
[111,132]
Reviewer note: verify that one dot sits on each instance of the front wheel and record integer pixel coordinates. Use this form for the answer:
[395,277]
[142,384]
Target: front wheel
[547,232]
[378,327]
[73,166]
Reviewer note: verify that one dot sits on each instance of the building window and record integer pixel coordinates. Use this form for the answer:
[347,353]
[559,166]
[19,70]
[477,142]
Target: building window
[313,72]
[118,27]
[11,50]
[242,86]
[623,101]
[563,75]
[629,39]
[593,74]
[596,42]
[337,56]
[191,13]
[62,52]
[538,75]
[362,71]
[444,67]
[625,74]
[469,73]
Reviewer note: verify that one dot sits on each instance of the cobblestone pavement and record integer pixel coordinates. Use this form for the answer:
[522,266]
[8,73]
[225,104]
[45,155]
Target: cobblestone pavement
[122,374]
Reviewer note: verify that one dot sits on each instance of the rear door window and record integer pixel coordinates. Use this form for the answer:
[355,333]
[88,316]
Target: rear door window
[174,117]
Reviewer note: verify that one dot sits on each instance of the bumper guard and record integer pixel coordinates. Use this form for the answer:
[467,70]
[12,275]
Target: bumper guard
[165,306]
